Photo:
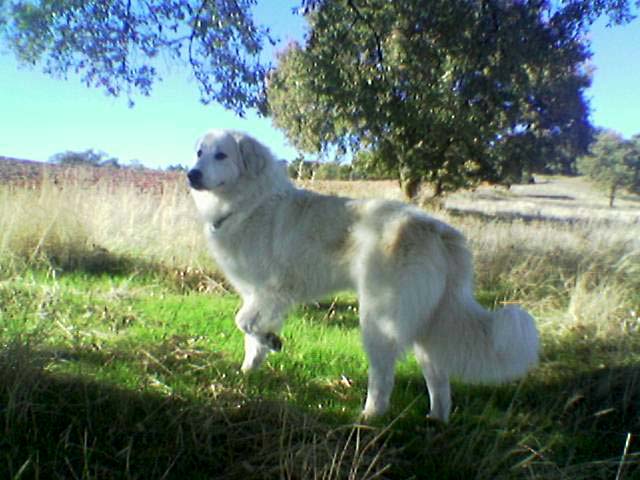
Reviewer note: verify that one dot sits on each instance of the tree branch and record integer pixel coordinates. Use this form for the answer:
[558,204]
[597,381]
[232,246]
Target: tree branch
[376,35]
[193,32]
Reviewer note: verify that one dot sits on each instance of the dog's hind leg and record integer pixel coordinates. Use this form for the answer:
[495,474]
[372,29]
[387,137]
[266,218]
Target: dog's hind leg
[437,383]
[382,352]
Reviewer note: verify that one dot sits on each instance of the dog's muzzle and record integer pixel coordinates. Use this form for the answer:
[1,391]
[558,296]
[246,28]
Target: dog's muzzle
[195,179]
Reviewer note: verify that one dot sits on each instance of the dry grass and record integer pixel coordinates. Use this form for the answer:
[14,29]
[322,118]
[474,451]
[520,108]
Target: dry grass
[69,226]
[554,245]
[559,248]
[551,198]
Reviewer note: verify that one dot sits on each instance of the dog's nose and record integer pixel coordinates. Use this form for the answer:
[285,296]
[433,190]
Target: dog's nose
[195,177]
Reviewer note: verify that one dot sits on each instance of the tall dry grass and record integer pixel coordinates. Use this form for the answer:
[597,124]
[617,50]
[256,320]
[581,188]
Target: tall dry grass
[559,248]
[571,272]
[581,274]
[69,226]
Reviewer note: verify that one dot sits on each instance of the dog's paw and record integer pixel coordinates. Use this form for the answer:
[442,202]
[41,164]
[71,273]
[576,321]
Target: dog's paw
[248,367]
[272,341]
[369,414]
[252,362]
[436,420]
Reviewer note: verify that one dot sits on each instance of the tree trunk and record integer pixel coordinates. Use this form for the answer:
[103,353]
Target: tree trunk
[410,187]
[612,195]
[438,189]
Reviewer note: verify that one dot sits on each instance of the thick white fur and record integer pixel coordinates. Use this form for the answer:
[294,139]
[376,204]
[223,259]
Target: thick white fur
[279,245]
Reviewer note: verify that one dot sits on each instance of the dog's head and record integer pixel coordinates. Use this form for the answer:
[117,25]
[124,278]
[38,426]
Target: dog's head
[223,158]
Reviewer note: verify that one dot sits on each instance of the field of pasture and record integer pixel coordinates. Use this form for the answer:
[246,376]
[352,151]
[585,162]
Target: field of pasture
[119,356]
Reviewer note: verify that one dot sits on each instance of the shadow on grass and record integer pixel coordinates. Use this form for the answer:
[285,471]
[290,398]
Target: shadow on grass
[337,311]
[96,261]
[510,217]
[570,418]
[64,426]
[548,197]
[597,384]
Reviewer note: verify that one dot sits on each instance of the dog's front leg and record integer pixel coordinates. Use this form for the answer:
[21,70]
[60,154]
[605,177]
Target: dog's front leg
[248,318]
[255,351]
[259,326]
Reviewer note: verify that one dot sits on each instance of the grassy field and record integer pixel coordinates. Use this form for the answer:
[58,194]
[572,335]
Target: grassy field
[120,359]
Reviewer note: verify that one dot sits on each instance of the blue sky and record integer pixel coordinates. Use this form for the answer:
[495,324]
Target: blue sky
[41,116]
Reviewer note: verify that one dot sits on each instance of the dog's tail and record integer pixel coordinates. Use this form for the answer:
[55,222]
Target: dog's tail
[471,343]
[485,347]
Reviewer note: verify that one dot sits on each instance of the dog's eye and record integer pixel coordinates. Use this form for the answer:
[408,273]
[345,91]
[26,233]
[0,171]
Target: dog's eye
[199,153]
[220,156]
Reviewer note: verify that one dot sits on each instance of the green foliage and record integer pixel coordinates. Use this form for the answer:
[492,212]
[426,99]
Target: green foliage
[89,157]
[114,45]
[447,92]
[180,168]
[366,166]
[301,169]
[613,163]
[333,171]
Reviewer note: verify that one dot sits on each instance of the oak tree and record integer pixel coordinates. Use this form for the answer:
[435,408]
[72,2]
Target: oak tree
[613,163]
[449,92]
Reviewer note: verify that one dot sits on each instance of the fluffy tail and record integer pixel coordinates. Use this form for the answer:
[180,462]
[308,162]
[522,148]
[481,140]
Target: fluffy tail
[468,342]
[485,347]
[515,342]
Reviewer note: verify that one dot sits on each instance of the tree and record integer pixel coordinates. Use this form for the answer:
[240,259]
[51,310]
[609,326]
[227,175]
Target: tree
[635,163]
[89,158]
[447,92]
[613,163]
[177,168]
[114,45]
[333,171]
[301,169]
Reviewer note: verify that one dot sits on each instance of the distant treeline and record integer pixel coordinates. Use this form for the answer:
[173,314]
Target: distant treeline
[333,170]
[94,158]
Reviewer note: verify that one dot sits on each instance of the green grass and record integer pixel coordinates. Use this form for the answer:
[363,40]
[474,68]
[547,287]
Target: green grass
[112,378]
[124,377]
[119,357]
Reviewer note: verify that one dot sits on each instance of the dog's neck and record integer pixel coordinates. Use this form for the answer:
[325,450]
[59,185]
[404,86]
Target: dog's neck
[217,223]
[219,206]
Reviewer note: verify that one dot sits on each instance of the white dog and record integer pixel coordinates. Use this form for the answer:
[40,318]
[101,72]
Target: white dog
[279,245]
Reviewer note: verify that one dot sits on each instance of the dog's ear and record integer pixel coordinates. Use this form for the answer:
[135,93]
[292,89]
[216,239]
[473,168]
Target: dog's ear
[254,155]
